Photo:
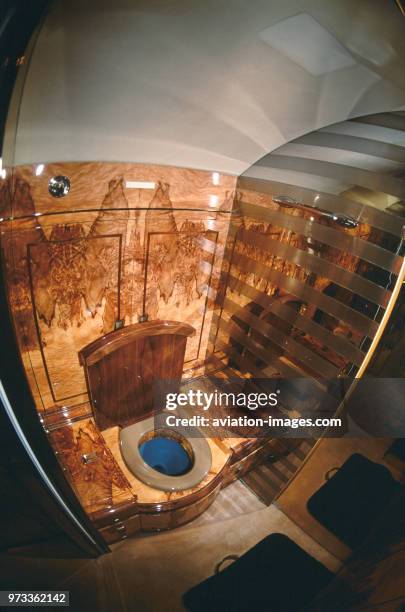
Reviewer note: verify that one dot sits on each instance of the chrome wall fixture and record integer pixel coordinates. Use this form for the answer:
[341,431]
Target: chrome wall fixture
[286,201]
[59,186]
[339,218]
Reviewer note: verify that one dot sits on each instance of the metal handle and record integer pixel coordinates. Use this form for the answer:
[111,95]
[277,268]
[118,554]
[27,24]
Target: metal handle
[227,558]
[89,458]
[339,218]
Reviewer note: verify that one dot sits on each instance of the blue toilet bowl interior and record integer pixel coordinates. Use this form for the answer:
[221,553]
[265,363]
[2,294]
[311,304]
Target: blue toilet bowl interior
[166,455]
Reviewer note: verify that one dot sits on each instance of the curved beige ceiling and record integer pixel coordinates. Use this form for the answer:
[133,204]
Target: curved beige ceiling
[209,84]
[359,161]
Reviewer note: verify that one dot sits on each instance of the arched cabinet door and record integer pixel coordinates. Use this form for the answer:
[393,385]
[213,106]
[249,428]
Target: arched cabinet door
[122,367]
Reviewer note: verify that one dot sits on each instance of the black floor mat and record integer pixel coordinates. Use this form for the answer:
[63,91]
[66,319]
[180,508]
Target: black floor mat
[349,503]
[275,575]
[397,449]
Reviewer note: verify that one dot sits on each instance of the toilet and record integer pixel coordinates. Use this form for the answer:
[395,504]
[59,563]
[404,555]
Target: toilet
[122,370]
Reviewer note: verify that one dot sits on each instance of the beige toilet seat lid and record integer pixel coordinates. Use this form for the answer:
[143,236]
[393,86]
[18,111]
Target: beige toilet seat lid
[129,444]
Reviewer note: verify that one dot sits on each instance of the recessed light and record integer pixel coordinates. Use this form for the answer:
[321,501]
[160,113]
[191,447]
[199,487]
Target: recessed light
[139,185]
[307,43]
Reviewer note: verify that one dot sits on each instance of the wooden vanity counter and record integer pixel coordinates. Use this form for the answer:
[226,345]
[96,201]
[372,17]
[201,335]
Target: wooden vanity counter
[90,466]
[119,503]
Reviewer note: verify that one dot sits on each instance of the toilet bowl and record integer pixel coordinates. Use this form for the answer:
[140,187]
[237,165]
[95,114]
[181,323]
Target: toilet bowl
[164,458]
[123,369]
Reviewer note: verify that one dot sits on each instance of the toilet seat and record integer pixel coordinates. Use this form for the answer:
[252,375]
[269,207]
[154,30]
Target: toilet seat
[130,437]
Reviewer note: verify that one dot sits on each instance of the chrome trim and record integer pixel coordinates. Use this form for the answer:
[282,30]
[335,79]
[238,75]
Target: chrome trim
[382,183]
[384,321]
[283,200]
[59,186]
[272,360]
[338,218]
[90,458]
[243,362]
[387,120]
[357,144]
[367,251]
[349,280]
[338,344]
[384,221]
[295,349]
[307,293]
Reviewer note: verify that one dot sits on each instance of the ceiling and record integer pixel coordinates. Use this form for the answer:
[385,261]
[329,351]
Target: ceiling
[208,84]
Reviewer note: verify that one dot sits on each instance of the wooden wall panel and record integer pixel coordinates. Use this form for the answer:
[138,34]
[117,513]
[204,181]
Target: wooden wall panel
[105,253]
[183,281]
[65,286]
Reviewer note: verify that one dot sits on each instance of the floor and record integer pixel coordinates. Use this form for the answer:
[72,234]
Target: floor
[149,573]
[235,500]
[179,559]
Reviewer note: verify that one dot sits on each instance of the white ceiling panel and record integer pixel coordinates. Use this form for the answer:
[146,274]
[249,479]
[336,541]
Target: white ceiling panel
[193,83]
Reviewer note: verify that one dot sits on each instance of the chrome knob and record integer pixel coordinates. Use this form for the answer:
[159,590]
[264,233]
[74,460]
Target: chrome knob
[59,186]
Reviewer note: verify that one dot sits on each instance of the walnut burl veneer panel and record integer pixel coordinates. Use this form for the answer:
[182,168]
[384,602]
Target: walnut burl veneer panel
[118,503]
[122,367]
[99,483]
[104,253]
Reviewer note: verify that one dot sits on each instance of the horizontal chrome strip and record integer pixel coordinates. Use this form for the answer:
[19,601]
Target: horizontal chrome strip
[328,235]
[338,344]
[205,266]
[382,183]
[362,130]
[312,263]
[308,294]
[277,368]
[365,214]
[310,359]
[387,120]
[206,244]
[345,142]
[266,355]
[245,364]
